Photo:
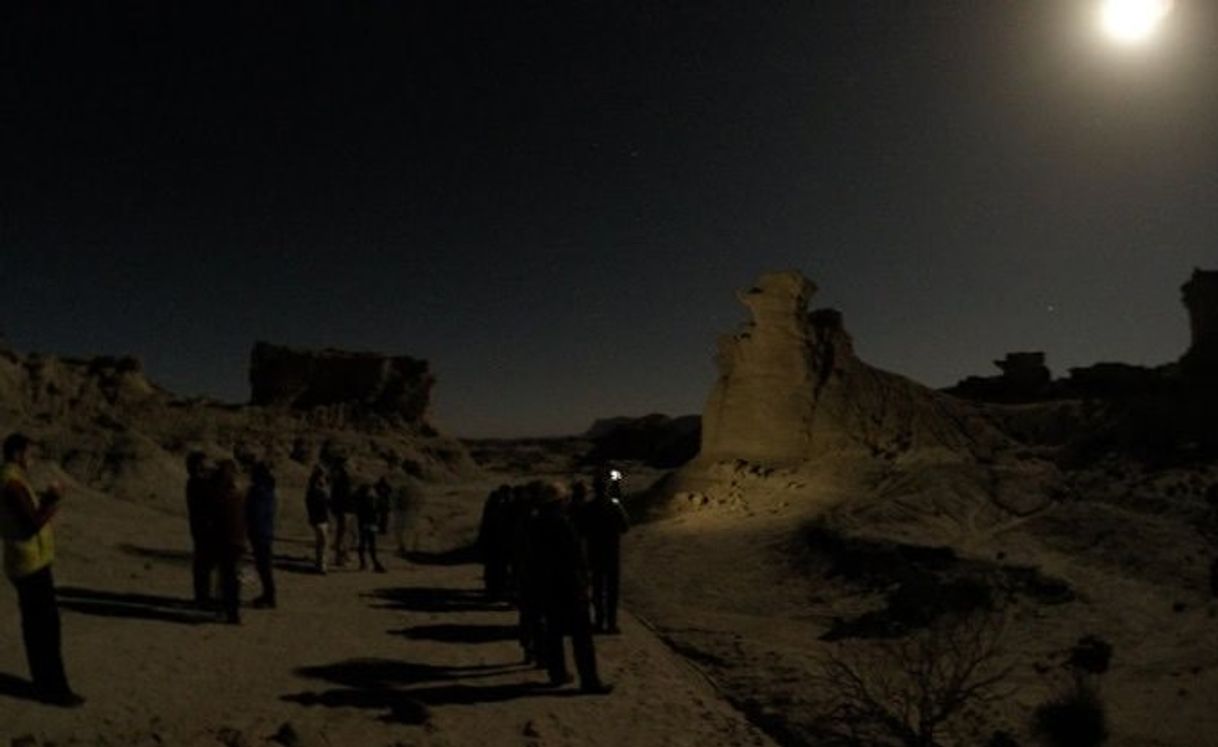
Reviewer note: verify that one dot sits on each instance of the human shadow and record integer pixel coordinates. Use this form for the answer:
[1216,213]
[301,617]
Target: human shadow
[383,685]
[404,690]
[465,555]
[132,605]
[453,633]
[17,688]
[399,708]
[435,599]
[302,564]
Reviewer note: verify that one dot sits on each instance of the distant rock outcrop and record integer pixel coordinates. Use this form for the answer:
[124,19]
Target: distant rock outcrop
[790,387]
[113,430]
[396,387]
[1201,299]
[1024,378]
[657,440]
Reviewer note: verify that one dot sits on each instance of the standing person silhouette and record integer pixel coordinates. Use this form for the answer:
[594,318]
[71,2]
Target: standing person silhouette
[340,507]
[29,552]
[201,513]
[604,521]
[230,537]
[556,566]
[260,508]
[317,506]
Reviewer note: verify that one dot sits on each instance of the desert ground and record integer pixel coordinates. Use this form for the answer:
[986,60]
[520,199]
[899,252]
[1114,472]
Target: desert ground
[411,657]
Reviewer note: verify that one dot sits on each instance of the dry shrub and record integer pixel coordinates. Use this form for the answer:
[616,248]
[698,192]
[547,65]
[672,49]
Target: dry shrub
[929,689]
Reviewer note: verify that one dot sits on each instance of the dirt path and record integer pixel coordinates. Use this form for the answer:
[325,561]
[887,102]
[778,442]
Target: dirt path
[411,657]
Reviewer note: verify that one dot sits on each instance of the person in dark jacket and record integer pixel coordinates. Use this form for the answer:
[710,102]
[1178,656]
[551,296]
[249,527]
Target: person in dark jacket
[202,515]
[365,514]
[555,563]
[230,536]
[340,507]
[317,506]
[494,529]
[260,507]
[603,521]
[520,511]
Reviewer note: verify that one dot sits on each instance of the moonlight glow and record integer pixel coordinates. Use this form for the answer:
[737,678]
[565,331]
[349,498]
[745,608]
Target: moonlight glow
[1133,21]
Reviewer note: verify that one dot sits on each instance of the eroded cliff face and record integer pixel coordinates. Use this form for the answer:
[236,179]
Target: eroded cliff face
[397,387]
[790,388]
[762,405]
[113,430]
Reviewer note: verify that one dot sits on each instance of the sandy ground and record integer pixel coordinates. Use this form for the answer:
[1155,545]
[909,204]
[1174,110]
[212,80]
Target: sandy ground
[411,657]
[735,599]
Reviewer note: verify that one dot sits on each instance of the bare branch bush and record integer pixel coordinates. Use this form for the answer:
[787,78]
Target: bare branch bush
[935,684]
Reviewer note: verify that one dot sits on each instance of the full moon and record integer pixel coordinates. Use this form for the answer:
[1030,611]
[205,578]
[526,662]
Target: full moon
[1133,21]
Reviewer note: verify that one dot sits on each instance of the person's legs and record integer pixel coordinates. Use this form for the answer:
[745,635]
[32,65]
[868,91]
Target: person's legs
[363,547]
[41,632]
[319,546]
[264,563]
[552,649]
[202,576]
[230,590]
[371,531]
[613,579]
[598,596]
[585,652]
[340,537]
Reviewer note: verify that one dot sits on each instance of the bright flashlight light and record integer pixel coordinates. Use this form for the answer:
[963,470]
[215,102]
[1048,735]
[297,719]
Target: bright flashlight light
[1133,21]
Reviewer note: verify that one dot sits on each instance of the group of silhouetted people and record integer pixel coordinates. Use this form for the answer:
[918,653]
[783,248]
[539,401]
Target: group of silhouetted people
[363,510]
[555,553]
[223,518]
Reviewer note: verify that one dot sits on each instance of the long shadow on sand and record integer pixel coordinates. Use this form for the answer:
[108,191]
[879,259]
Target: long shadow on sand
[131,605]
[457,556]
[435,599]
[14,687]
[453,633]
[288,563]
[385,685]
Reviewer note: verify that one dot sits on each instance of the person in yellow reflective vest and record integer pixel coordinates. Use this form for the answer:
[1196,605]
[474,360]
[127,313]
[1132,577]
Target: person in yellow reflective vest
[29,552]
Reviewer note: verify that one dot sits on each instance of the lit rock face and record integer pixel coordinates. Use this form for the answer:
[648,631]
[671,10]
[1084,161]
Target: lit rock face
[790,387]
[392,386]
[762,405]
[1201,300]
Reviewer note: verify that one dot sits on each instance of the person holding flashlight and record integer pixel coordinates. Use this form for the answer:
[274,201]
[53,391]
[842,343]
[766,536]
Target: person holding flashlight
[604,522]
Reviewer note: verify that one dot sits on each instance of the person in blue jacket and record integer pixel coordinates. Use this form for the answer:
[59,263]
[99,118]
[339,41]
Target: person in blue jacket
[260,523]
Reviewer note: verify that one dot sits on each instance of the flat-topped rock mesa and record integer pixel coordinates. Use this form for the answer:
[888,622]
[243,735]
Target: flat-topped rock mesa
[397,387]
[790,387]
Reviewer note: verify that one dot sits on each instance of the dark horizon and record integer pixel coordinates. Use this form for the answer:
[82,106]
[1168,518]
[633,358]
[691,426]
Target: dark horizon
[555,206]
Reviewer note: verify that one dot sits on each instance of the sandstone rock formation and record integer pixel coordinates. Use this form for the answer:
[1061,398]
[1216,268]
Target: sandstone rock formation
[113,430]
[396,387]
[790,387]
[1201,299]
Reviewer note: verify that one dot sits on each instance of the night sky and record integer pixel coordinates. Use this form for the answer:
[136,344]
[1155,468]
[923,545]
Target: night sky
[555,202]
